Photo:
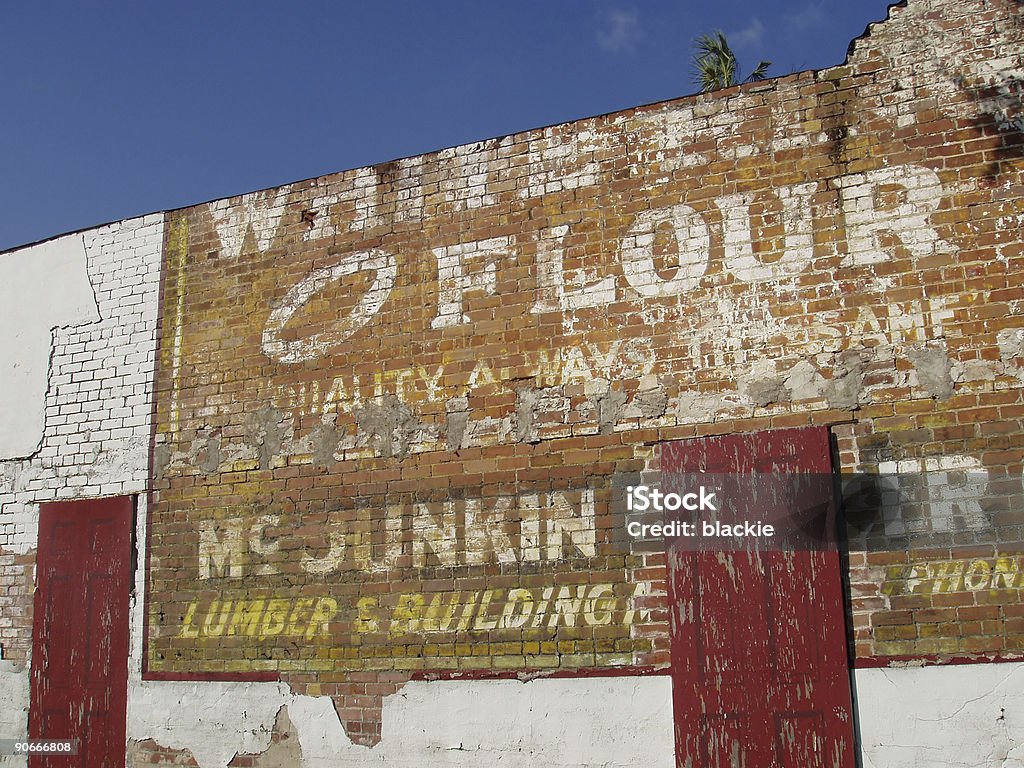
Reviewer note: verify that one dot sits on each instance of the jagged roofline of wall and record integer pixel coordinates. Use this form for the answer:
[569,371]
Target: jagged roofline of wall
[766,84]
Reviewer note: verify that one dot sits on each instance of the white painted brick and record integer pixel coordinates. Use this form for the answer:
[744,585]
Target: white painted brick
[99,398]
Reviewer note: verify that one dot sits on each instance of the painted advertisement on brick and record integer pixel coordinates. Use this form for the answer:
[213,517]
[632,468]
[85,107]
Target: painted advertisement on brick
[390,401]
[417,581]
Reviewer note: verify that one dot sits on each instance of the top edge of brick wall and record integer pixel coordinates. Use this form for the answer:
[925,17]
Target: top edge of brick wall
[771,84]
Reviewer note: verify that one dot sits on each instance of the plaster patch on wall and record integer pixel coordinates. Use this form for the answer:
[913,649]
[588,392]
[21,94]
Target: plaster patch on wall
[701,407]
[551,722]
[325,442]
[265,430]
[212,720]
[942,716]
[649,402]
[763,386]
[284,751]
[389,426]
[934,370]
[846,387]
[148,752]
[805,381]
[322,739]
[42,287]
[1011,350]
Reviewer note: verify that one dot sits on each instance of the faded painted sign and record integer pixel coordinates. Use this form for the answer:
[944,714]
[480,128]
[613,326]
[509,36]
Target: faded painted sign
[538,578]
[390,400]
[327,325]
[418,613]
[949,576]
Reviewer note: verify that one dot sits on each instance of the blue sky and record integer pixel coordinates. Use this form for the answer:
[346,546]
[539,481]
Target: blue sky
[111,110]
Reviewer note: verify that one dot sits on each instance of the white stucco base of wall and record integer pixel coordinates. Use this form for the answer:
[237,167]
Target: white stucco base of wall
[13,708]
[942,717]
[610,721]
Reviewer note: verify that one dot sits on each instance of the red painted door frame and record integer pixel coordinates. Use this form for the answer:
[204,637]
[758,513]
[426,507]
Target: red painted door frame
[760,667]
[79,682]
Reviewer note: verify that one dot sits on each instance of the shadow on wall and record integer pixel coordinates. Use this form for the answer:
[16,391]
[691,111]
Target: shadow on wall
[999,105]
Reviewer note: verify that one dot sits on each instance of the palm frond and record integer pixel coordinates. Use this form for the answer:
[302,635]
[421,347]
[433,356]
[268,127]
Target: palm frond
[714,62]
[760,72]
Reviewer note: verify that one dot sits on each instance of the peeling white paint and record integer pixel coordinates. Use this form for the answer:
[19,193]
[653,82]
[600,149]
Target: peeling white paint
[97,381]
[454,277]
[867,219]
[559,161]
[939,716]
[21,522]
[692,247]
[463,724]
[259,213]
[95,389]
[559,292]
[798,248]
[960,86]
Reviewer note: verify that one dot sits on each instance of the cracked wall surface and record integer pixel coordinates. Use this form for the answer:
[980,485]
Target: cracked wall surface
[445,723]
[947,717]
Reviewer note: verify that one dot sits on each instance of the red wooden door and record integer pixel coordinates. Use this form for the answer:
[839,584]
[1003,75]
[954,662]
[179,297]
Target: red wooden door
[759,657]
[80,630]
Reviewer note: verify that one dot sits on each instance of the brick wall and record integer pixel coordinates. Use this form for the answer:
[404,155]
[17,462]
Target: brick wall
[94,397]
[362,373]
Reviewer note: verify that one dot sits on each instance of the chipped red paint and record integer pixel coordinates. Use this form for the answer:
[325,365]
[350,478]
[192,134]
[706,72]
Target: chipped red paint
[214,677]
[759,656]
[80,634]
[540,674]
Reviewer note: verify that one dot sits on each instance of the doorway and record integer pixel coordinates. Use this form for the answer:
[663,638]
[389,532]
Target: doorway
[760,669]
[79,683]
